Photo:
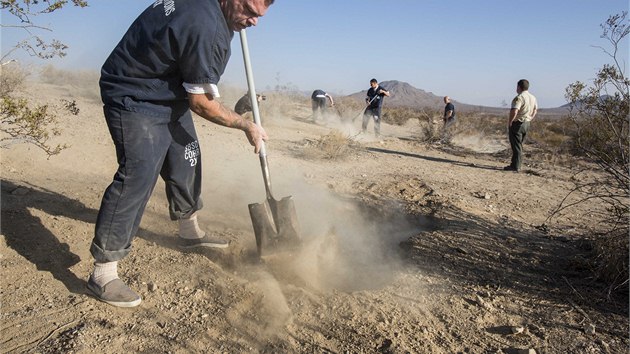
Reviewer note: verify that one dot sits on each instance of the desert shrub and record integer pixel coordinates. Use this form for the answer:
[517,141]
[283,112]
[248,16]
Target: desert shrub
[400,115]
[22,121]
[349,109]
[332,146]
[599,113]
[12,77]
[610,259]
[483,123]
[552,135]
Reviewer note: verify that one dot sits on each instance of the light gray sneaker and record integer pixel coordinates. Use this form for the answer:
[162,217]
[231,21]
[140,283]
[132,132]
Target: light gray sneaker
[206,241]
[115,293]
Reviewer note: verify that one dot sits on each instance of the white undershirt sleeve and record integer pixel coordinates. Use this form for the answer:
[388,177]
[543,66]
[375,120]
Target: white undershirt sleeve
[202,88]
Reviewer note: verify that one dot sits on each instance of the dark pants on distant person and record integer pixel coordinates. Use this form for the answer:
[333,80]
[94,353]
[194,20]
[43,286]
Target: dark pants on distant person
[319,107]
[372,113]
[447,133]
[449,121]
[518,131]
[146,146]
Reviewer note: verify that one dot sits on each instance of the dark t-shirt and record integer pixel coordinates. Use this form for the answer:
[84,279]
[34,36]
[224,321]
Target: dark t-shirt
[372,93]
[318,93]
[449,107]
[170,43]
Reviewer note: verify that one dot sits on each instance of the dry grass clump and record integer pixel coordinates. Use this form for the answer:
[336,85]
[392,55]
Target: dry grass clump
[611,259]
[12,77]
[553,135]
[485,124]
[22,119]
[400,115]
[332,146]
[349,109]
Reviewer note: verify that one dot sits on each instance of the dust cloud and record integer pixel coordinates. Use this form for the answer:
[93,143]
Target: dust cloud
[479,143]
[347,246]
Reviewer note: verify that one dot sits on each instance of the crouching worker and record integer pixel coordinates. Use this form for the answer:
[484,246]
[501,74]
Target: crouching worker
[319,99]
[244,104]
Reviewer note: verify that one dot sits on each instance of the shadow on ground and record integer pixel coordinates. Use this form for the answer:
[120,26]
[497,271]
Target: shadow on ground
[511,258]
[433,159]
[27,235]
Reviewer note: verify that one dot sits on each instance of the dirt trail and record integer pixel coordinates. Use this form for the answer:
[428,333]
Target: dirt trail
[411,248]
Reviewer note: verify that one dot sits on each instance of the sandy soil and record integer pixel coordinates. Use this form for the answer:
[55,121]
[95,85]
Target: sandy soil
[409,248]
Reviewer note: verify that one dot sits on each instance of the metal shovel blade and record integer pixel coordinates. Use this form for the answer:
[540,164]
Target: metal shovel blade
[275,225]
[275,222]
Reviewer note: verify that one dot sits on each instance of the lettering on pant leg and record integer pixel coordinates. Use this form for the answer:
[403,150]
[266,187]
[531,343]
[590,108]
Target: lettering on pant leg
[192,152]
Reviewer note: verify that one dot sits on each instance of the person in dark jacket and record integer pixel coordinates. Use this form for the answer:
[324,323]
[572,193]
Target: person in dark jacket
[448,119]
[374,101]
[167,64]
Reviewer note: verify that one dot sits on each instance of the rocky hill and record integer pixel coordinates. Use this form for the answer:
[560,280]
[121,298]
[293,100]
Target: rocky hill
[405,95]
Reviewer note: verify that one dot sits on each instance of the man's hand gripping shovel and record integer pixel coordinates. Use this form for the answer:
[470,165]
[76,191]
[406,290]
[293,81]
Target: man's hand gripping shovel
[275,221]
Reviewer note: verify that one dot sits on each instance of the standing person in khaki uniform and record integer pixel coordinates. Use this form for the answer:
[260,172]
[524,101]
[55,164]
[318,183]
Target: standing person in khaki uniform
[524,108]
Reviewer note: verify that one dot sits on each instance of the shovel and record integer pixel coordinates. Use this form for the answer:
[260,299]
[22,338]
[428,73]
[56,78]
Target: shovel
[275,221]
[366,106]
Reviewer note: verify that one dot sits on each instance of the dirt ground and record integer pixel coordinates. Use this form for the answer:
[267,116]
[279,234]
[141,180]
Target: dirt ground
[409,247]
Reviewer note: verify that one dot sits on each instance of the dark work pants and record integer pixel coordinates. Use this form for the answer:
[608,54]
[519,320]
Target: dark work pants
[518,131]
[319,107]
[447,133]
[372,113]
[146,146]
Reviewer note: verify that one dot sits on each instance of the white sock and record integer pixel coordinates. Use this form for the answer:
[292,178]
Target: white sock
[189,228]
[105,272]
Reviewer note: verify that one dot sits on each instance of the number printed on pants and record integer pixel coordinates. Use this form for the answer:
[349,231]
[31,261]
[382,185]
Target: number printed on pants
[192,152]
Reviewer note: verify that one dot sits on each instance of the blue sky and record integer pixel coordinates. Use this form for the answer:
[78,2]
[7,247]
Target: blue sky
[473,51]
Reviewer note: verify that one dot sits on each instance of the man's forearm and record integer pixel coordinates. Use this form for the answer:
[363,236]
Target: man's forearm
[215,112]
[208,108]
[225,117]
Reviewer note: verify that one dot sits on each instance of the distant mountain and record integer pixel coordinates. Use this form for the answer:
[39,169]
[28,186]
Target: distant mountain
[405,95]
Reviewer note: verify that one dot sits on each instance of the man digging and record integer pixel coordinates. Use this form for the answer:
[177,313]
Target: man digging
[167,64]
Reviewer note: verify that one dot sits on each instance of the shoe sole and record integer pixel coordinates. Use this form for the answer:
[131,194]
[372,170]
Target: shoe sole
[205,245]
[122,304]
